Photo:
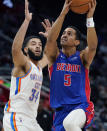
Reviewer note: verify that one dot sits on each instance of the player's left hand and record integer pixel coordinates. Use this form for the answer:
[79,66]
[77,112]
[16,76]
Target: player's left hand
[47,26]
[92,6]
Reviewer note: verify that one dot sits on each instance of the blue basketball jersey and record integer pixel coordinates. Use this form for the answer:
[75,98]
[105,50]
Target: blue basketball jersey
[69,82]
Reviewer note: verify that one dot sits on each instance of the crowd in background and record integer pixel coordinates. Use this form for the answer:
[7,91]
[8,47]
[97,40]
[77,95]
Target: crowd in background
[10,21]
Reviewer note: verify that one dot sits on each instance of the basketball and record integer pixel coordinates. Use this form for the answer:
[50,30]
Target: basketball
[80,6]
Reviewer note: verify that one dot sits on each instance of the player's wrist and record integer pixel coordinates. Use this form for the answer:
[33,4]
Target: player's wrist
[90,22]
[63,13]
[27,21]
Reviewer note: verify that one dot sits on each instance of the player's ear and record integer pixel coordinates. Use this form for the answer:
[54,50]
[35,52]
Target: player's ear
[77,42]
[26,50]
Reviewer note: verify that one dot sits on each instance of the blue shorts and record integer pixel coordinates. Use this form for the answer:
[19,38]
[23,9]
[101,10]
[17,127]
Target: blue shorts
[62,112]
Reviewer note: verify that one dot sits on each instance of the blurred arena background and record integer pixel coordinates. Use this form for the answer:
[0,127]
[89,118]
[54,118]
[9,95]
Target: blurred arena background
[12,16]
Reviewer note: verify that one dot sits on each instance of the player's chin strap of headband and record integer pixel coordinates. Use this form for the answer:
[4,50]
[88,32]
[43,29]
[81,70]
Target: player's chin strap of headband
[90,22]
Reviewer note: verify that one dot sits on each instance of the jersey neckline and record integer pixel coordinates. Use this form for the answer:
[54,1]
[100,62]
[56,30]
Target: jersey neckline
[75,54]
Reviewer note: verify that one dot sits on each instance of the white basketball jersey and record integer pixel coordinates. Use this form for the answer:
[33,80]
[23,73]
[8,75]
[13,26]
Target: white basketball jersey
[25,92]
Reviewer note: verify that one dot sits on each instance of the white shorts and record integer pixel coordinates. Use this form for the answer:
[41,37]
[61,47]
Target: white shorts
[18,122]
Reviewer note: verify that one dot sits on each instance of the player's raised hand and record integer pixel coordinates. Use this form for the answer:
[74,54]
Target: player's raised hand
[66,6]
[28,15]
[92,6]
[47,26]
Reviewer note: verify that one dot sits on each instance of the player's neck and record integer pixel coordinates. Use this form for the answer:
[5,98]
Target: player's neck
[34,62]
[68,51]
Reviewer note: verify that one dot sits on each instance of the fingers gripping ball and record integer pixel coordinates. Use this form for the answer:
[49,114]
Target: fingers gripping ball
[80,6]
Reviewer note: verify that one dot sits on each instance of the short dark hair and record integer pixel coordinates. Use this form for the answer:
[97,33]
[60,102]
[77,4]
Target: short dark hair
[27,40]
[81,37]
[78,33]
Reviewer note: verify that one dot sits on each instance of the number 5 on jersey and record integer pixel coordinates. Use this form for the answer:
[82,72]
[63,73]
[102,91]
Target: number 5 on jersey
[67,80]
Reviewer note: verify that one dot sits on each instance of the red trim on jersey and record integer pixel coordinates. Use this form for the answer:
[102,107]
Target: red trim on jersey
[50,69]
[19,85]
[87,85]
[14,122]
[8,106]
[53,120]
[89,114]
[90,109]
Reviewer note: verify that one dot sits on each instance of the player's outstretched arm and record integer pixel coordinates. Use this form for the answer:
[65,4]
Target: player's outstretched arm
[51,48]
[92,41]
[56,28]
[19,58]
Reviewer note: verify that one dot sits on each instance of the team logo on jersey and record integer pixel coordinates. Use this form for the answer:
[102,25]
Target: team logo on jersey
[68,67]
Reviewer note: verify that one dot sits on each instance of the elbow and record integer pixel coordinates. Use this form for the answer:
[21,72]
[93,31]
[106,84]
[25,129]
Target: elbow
[93,45]
[14,51]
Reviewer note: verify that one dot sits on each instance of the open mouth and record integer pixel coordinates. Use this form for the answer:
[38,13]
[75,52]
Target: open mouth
[37,52]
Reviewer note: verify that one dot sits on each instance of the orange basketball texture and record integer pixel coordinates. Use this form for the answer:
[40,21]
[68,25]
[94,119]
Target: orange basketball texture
[80,6]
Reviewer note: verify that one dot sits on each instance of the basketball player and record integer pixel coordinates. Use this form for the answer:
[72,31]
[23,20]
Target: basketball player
[21,110]
[69,70]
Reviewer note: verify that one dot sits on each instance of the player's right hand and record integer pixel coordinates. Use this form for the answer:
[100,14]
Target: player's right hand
[66,7]
[28,15]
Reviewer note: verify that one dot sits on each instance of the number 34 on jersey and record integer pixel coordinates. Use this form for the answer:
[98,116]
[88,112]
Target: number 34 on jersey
[35,93]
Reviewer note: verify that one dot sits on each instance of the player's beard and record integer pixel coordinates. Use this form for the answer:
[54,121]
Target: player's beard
[33,56]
